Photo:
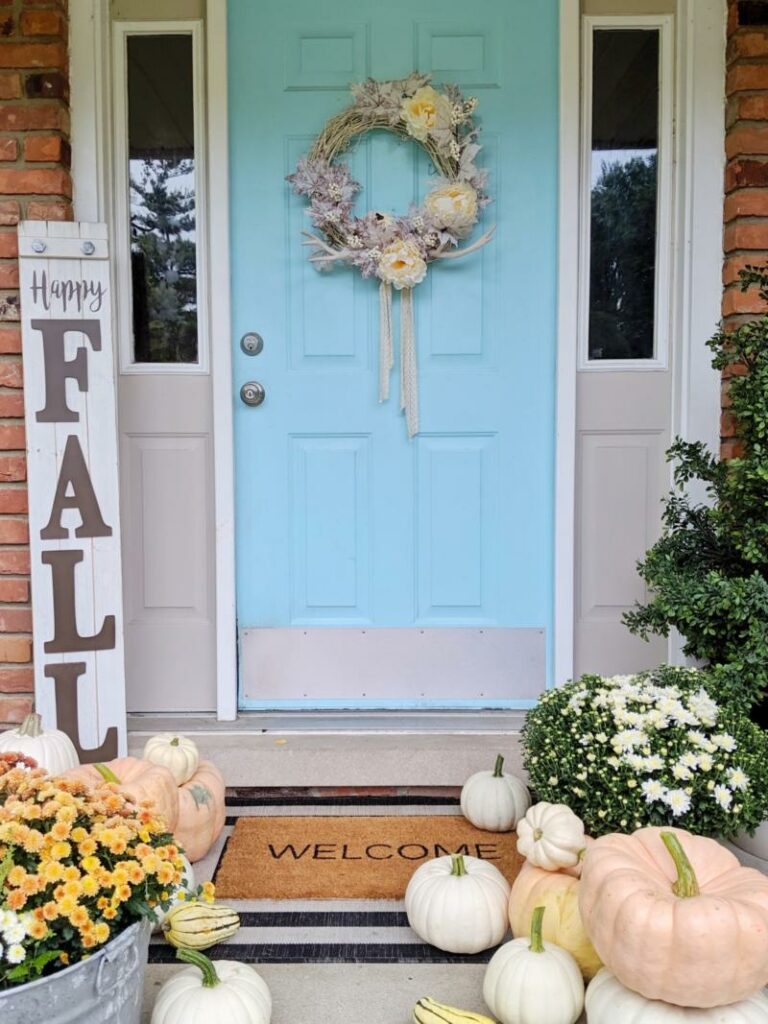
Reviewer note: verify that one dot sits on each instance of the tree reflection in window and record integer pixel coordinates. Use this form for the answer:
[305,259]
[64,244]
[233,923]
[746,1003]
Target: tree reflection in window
[163,259]
[161,149]
[624,197]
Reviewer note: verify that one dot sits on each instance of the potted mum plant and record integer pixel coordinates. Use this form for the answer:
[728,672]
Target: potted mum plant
[81,873]
[657,748]
[708,573]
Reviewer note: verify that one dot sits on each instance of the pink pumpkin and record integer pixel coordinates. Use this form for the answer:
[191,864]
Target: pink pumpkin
[201,811]
[138,780]
[676,917]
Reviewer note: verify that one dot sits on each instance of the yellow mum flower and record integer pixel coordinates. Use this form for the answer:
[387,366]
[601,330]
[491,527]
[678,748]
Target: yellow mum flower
[67,905]
[59,851]
[90,885]
[71,873]
[209,892]
[90,864]
[52,871]
[73,889]
[79,834]
[110,913]
[16,876]
[50,911]
[86,847]
[101,932]
[37,930]
[60,830]
[79,918]
[122,893]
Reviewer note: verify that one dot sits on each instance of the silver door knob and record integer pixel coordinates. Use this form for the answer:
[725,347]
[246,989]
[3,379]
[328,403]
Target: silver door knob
[253,393]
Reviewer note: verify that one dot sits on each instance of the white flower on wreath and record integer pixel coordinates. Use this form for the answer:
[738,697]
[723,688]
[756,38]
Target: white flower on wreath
[453,207]
[402,265]
[425,112]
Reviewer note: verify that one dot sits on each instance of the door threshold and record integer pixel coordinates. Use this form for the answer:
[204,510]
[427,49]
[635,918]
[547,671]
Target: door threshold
[452,722]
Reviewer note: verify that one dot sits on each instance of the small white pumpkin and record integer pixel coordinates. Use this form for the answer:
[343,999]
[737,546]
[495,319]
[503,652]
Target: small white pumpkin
[206,992]
[609,1002]
[551,836]
[494,801]
[458,904]
[187,883]
[529,981]
[51,748]
[179,754]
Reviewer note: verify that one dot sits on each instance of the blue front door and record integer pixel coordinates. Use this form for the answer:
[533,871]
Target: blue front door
[352,541]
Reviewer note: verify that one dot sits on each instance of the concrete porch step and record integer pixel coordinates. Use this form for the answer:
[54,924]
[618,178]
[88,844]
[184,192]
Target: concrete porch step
[419,749]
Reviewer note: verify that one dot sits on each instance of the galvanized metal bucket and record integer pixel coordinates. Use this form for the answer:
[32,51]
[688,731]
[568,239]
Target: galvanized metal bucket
[104,989]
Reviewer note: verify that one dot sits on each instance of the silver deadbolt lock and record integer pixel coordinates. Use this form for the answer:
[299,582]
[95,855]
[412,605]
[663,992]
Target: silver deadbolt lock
[253,393]
[252,343]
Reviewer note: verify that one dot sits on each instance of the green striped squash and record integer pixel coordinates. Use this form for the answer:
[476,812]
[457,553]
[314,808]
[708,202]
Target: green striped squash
[198,925]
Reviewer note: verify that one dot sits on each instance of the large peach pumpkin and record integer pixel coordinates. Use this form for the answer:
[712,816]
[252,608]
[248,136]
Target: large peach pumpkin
[675,917]
[558,892]
[201,811]
[138,780]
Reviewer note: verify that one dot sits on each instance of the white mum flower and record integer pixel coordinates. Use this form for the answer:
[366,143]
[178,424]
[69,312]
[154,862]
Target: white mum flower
[737,779]
[627,739]
[635,762]
[705,762]
[15,932]
[656,719]
[678,801]
[723,796]
[702,705]
[700,739]
[653,790]
[16,954]
[681,773]
[724,741]
[654,763]
[601,737]
[690,760]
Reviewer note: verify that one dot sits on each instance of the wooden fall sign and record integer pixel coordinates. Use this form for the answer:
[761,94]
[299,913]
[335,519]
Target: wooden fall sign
[72,470]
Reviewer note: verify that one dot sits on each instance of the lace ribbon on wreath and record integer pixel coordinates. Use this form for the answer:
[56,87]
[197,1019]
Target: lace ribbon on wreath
[409,393]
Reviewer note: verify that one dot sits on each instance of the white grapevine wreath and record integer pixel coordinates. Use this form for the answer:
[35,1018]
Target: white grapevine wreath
[396,250]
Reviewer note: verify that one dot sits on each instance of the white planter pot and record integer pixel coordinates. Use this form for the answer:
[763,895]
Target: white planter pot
[752,851]
[104,989]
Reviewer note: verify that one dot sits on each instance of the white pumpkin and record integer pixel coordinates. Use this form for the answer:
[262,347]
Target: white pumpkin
[551,836]
[187,882]
[206,992]
[529,981]
[51,748]
[494,801]
[177,753]
[458,904]
[609,1002]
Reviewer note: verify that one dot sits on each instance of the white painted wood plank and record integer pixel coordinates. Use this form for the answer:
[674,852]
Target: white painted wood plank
[98,587]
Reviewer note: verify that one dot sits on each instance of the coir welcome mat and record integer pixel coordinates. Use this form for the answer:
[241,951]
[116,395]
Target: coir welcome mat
[348,857]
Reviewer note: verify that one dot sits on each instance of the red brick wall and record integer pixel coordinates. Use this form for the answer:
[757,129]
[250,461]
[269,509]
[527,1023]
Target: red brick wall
[746,176]
[34,184]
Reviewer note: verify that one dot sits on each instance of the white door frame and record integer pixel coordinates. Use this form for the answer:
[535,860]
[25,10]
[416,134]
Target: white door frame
[700,81]
[696,286]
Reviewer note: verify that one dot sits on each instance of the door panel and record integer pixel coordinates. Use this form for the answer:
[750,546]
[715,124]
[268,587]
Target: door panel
[343,523]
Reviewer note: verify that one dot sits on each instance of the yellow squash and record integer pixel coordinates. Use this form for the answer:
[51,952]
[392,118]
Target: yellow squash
[429,1011]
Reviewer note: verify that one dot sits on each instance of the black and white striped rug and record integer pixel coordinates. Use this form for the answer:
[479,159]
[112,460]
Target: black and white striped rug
[323,931]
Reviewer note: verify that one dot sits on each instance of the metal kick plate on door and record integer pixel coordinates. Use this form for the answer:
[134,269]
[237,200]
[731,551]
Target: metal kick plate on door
[253,393]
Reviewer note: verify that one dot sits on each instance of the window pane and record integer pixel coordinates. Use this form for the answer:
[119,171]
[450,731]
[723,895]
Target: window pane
[161,148]
[625,140]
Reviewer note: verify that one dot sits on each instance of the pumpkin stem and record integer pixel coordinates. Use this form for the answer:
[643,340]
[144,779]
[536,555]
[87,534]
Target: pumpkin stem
[175,741]
[537,944]
[497,771]
[687,883]
[32,725]
[200,960]
[458,868]
[106,773]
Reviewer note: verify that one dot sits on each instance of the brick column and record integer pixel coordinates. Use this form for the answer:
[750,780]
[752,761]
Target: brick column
[35,184]
[746,177]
